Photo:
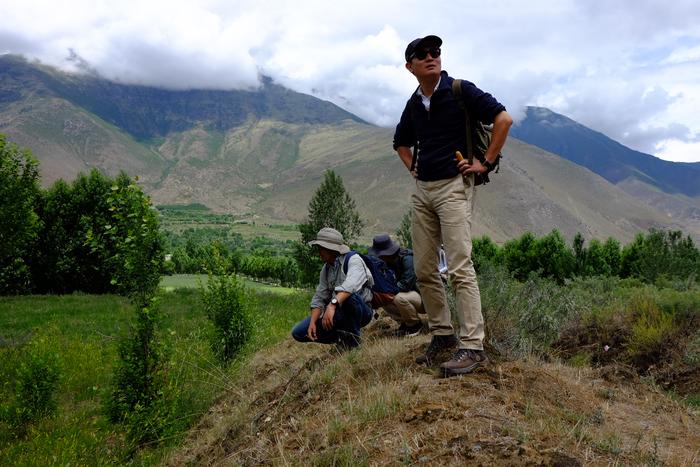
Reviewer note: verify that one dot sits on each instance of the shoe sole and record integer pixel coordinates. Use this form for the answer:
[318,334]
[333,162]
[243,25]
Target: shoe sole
[461,371]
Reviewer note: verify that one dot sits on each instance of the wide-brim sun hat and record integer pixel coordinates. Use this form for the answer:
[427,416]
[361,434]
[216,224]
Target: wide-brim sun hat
[383,245]
[330,239]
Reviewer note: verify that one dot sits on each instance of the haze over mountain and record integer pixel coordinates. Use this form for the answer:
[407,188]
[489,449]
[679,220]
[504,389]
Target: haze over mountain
[261,154]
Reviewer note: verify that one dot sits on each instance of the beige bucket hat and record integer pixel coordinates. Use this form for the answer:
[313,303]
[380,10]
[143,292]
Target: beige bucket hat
[330,239]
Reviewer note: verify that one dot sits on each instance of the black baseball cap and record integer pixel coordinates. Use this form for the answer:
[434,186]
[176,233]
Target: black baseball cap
[427,41]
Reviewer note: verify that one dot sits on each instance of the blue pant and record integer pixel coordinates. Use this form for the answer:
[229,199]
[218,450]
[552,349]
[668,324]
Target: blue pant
[349,318]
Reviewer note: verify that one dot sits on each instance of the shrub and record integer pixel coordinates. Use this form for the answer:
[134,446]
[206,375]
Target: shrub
[37,380]
[524,318]
[403,233]
[138,397]
[226,303]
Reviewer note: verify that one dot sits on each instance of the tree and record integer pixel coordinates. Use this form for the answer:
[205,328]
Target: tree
[519,256]
[611,253]
[553,258]
[130,242]
[131,246]
[484,252]
[19,223]
[579,254]
[330,206]
[403,233]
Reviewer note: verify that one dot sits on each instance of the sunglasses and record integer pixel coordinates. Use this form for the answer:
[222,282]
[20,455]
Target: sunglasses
[423,53]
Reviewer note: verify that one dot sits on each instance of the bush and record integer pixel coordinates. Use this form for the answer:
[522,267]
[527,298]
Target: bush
[525,318]
[650,331]
[226,303]
[138,398]
[403,233]
[37,380]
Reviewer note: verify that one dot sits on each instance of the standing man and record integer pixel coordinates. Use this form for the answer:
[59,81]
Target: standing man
[407,305]
[443,199]
[341,305]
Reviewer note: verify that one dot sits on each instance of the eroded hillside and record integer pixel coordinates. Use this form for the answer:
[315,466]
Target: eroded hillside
[310,405]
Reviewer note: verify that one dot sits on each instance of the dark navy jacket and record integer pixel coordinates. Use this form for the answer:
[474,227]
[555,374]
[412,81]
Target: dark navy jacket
[404,271]
[441,132]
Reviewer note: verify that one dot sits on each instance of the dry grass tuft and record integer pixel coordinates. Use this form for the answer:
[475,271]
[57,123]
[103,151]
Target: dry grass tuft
[311,405]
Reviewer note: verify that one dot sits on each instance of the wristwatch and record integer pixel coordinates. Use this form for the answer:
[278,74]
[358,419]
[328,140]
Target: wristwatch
[334,301]
[487,164]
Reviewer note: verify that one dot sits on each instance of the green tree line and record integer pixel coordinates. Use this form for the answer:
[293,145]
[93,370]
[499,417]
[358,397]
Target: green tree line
[97,234]
[653,256]
[70,237]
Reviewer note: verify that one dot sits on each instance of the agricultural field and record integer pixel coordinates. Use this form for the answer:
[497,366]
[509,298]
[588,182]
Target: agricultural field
[80,334]
[177,218]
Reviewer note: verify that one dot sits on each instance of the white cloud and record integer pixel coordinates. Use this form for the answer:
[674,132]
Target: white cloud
[626,68]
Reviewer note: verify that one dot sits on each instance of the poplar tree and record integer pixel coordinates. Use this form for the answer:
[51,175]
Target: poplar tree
[330,206]
[19,223]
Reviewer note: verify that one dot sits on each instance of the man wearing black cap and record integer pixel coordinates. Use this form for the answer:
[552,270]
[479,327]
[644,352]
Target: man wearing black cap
[407,305]
[434,122]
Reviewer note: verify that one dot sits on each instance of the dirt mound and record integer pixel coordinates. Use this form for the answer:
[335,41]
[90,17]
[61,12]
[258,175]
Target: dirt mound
[312,405]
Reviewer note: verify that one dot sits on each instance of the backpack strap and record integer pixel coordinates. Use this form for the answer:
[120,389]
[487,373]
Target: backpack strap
[347,260]
[414,158]
[457,91]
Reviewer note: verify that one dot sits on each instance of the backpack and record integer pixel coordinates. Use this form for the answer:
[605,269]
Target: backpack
[384,288]
[478,137]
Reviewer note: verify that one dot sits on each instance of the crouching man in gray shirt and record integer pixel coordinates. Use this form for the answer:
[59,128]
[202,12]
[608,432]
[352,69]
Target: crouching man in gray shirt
[341,305]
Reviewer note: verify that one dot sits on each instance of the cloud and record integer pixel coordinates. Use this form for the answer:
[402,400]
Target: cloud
[626,68]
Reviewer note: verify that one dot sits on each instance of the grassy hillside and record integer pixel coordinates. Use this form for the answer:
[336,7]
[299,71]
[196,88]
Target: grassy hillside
[375,407]
[579,375]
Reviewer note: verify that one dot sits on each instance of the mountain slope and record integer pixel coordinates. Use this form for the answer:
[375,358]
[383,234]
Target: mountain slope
[147,112]
[261,154]
[670,187]
[613,161]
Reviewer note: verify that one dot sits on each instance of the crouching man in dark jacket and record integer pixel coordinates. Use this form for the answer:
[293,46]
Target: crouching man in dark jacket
[407,305]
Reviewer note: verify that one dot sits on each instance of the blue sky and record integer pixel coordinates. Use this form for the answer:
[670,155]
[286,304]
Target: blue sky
[628,69]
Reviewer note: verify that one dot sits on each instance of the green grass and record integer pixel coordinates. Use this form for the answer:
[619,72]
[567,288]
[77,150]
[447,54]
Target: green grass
[83,331]
[178,218]
[193,281]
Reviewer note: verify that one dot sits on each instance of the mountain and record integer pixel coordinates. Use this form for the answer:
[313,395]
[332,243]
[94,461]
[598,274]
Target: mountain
[671,187]
[261,154]
[147,112]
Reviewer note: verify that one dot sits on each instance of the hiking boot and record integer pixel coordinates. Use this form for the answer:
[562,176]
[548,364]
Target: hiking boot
[464,361]
[409,331]
[438,345]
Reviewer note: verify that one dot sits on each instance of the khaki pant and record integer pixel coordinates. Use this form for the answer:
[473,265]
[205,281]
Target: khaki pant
[442,212]
[405,308]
